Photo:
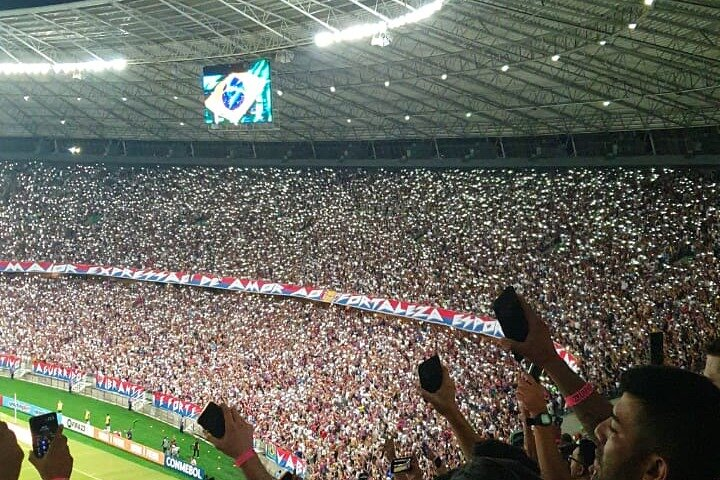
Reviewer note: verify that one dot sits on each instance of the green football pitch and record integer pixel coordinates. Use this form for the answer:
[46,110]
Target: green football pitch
[90,463]
[103,461]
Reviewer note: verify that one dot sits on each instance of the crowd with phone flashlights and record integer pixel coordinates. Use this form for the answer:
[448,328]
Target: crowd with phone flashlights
[606,256]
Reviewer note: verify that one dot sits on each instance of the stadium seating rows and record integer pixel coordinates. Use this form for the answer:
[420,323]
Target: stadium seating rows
[605,255]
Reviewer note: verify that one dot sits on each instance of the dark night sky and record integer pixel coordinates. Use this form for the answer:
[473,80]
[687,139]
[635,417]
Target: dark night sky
[10,4]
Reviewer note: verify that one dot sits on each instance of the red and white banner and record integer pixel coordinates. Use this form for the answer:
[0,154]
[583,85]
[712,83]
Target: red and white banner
[468,322]
[121,387]
[9,362]
[174,404]
[55,371]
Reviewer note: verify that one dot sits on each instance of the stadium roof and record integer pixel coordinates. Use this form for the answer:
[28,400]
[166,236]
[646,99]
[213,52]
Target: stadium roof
[571,66]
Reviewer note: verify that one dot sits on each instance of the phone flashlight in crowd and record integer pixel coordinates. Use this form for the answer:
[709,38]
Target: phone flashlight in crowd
[402,464]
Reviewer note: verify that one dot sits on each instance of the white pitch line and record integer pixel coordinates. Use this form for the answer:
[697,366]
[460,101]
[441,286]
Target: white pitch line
[86,474]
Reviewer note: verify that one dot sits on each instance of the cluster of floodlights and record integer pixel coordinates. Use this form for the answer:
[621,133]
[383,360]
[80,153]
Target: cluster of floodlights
[94,66]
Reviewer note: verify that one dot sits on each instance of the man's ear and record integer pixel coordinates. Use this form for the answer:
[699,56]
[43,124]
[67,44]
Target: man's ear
[656,468]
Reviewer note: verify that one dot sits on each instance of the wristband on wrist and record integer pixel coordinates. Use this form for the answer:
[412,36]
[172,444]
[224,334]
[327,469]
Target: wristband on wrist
[244,457]
[580,396]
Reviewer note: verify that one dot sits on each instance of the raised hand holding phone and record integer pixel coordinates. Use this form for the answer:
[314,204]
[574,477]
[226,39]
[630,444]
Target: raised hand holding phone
[536,346]
[237,437]
[56,463]
[43,429]
[431,374]
[212,419]
[443,399]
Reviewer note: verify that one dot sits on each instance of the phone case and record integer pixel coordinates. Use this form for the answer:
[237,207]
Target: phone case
[213,420]
[43,429]
[511,315]
[430,373]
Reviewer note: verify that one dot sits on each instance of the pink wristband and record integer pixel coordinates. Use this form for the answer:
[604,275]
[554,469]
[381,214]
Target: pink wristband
[579,396]
[244,457]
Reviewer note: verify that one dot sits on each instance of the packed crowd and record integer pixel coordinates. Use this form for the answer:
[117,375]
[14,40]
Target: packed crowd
[606,256]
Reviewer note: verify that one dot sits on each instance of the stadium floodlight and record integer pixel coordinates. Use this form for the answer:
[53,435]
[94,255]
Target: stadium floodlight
[74,150]
[382,39]
[61,68]
[378,30]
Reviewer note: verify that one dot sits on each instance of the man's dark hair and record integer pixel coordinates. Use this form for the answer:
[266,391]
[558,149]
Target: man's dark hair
[495,460]
[713,347]
[679,419]
[488,468]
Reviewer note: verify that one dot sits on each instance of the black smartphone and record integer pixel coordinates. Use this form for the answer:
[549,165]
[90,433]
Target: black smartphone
[431,374]
[213,420]
[657,348]
[511,315]
[534,371]
[43,429]
[402,464]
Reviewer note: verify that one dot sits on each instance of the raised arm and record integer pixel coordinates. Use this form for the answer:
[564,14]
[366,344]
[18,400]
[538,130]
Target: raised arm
[237,443]
[592,408]
[446,405]
[532,396]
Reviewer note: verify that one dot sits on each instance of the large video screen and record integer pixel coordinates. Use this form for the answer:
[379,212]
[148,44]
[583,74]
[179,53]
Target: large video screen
[237,94]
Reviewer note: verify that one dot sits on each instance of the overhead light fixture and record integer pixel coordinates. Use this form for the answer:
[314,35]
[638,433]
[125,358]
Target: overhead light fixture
[332,89]
[407,117]
[349,120]
[75,69]
[79,98]
[649,2]
[26,98]
[555,58]
[443,76]
[602,43]
[606,103]
[280,93]
[632,26]
[74,150]
[505,68]
[182,124]
[387,83]
[124,99]
[382,39]
[62,122]
[175,97]
[371,30]
[468,114]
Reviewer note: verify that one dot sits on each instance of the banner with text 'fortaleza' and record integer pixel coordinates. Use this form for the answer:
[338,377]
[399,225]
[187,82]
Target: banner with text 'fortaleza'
[57,372]
[173,404]
[9,362]
[121,387]
[468,322]
[463,321]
